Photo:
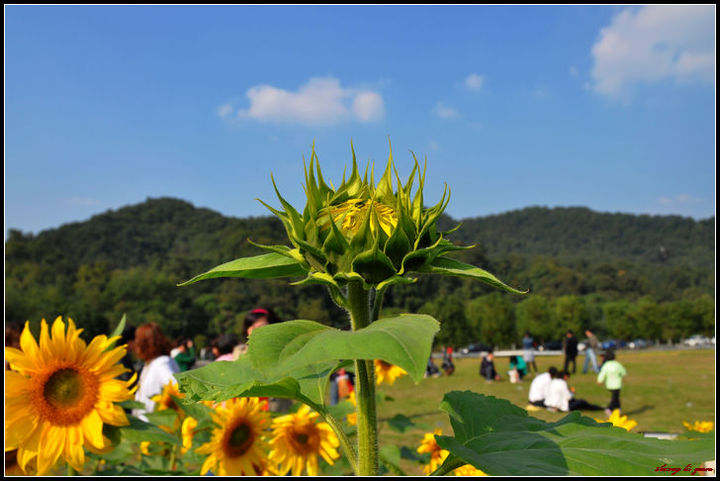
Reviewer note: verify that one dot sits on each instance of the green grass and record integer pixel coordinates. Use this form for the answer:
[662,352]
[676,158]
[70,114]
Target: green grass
[662,389]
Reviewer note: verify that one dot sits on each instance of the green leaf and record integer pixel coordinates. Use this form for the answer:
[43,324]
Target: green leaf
[219,381]
[503,440]
[390,457]
[264,266]
[452,267]
[402,424]
[139,431]
[405,341]
[120,327]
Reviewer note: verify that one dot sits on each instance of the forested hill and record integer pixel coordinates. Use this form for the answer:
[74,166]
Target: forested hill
[582,233]
[129,261]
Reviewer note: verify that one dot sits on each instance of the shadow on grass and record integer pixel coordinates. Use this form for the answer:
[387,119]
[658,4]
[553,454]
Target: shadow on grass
[639,410]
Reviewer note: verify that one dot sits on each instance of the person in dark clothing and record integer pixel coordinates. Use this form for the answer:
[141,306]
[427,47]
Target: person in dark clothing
[447,364]
[487,368]
[570,346]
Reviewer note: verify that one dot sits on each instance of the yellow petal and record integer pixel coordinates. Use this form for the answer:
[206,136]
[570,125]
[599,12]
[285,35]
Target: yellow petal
[92,429]
[28,344]
[52,442]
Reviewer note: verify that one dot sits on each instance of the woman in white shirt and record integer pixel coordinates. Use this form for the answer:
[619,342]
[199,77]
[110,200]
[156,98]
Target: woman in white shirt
[153,347]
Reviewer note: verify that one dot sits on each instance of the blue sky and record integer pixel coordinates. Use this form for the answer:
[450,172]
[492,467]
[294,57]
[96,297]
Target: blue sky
[612,107]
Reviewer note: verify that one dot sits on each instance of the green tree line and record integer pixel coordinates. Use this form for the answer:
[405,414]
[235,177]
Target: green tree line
[625,276]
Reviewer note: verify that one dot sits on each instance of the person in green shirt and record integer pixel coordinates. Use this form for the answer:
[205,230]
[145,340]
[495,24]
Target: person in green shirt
[611,373]
[185,358]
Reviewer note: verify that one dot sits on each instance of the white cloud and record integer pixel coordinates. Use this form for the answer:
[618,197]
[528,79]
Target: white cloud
[475,81]
[445,112]
[653,43]
[224,110]
[320,101]
[368,106]
[679,200]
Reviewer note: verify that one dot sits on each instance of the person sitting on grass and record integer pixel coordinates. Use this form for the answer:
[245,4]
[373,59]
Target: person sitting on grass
[562,398]
[518,369]
[539,390]
[487,368]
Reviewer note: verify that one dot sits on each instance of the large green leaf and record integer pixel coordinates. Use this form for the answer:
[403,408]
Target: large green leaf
[405,341]
[139,431]
[503,440]
[264,266]
[219,381]
[452,267]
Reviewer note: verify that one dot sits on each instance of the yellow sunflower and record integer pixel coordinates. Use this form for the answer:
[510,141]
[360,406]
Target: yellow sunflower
[699,426]
[619,421]
[297,441]
[352,214]
[237,446]
[437,454]
[385,371]
[60,393]
[164,400]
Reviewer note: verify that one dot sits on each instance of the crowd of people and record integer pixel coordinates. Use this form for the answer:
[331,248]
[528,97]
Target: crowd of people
[157,359]
[550,389]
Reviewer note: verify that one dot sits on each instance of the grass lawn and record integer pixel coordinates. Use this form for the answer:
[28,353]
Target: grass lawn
[662,389]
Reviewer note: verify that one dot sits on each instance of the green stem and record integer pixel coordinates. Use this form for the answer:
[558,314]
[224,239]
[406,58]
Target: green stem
[360,317]
[377,304]
[342,437]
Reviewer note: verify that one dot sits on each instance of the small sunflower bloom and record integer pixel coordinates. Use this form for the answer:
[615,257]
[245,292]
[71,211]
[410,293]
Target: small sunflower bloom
[619,421]
[166,398]
[238,446]
[386,372]
[699,426]
[297,441]
[59,394]
[437,454]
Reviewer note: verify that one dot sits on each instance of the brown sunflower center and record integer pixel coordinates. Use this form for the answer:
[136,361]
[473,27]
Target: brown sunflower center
[64,388]
[65,394]
[239,440]
[305,439]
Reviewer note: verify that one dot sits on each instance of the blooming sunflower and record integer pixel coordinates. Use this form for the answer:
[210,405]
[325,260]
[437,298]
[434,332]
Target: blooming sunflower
[60,393]
[699,426]
[237,446]
[437,454]
[619,421]
[385,371]
[165,399]
[297,441]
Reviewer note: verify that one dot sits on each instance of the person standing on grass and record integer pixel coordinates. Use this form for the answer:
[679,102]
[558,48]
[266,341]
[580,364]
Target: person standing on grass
[590,352]
[528,351]
[611,374]
[570,346]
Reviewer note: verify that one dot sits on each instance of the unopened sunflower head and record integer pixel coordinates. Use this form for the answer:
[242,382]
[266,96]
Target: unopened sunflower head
[362,230]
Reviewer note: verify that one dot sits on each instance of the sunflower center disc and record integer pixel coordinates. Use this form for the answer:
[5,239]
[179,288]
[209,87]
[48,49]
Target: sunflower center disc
[64,388]
[240,440]
[302,438]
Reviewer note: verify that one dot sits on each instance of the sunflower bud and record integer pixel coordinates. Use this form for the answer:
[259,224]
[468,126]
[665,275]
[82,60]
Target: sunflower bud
[362,230]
